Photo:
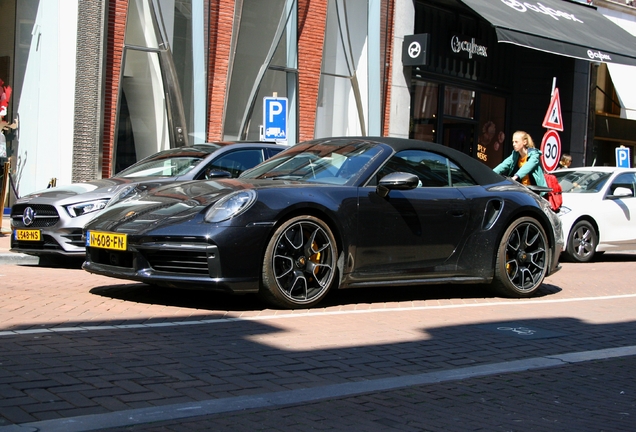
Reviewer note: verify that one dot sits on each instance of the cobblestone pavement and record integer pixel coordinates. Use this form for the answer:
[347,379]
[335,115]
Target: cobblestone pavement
[84,352]
[596,396]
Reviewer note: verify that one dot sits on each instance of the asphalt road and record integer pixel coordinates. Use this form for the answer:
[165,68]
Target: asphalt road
[85,352]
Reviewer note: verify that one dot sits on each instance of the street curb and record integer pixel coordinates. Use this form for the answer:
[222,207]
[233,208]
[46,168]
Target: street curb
[18,258]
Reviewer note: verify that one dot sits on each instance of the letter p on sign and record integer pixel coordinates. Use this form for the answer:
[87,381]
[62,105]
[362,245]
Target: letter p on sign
[622,157]
[275,108]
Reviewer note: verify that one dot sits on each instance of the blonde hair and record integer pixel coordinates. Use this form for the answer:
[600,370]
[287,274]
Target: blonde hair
[525,136]
[566,159]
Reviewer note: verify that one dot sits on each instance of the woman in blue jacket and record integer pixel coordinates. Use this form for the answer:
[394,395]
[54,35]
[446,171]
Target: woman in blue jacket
[524,164]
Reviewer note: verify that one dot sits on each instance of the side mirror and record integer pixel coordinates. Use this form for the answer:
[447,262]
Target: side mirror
[217,174]
[396,181]
[621,192]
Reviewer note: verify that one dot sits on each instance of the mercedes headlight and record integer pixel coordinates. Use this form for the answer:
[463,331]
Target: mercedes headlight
[230,206]
[83,208]
[129,193]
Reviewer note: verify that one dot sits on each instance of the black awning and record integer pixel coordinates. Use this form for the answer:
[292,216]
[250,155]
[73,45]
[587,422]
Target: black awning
[560,27]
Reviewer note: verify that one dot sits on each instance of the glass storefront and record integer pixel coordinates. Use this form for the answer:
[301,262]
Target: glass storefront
[458,99]
[471,121]
[492,124]
[163,91]
[349,89]
[264,64]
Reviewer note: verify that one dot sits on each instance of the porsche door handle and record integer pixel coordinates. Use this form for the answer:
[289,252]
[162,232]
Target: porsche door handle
[456,213]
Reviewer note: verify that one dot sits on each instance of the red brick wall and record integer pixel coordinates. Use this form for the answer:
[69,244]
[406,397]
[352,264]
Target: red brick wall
[312,18]
[117,11]
[388,7]
[220,38]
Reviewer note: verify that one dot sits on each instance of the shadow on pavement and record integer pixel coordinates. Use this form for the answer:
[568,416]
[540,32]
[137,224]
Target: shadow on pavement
[112,370]
[55,261]
[211,300]
[614,257]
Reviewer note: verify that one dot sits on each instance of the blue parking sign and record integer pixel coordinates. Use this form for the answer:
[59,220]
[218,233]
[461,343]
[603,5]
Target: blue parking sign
[622,157]
[275,119]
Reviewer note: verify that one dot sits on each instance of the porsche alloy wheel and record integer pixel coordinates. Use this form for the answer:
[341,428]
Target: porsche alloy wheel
[522,259]
[299,265]
[582,242]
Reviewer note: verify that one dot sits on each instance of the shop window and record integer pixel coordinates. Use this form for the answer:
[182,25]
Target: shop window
[154,83]
[492,122]
[459,135]
[349,90]
[264,64]
[470,121]
[459,102]
[142,90]
[425,103]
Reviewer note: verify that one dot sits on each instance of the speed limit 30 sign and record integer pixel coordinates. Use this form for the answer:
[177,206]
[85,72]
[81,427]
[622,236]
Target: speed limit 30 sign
[551,150]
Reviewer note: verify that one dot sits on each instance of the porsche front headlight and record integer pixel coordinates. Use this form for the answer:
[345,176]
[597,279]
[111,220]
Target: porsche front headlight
[83,208]
[230,206]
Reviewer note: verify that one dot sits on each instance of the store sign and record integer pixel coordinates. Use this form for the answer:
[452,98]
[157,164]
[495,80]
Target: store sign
[415,50]
[597,55]
[462,44]
[540,8]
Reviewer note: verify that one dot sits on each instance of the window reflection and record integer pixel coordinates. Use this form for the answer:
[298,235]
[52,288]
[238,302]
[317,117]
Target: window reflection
[459,102]
[425,111]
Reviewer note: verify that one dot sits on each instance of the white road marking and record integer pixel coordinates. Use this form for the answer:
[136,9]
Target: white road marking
[307,395]
[301,314]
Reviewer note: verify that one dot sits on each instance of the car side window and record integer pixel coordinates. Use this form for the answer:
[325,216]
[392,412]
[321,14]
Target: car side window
[625,180]
[432,169]
[235,162]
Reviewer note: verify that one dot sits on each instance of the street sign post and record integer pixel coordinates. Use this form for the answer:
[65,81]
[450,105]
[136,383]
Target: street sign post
[622,157]
[275,119]
[551,150]
[553,118]
[551,143]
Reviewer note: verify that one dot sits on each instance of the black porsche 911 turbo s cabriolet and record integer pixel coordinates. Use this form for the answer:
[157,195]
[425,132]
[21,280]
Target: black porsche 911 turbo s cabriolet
[334,213]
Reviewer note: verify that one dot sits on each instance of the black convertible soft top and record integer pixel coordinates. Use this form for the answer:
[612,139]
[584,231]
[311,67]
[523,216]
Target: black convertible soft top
[481,173]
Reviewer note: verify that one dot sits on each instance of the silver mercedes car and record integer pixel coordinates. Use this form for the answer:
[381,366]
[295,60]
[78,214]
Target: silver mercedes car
[49,222]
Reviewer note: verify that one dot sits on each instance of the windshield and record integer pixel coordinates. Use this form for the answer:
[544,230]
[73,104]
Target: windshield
[582,181]
[169,163]
[326,162]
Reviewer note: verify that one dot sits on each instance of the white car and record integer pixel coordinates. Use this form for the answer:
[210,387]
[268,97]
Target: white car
[598,212]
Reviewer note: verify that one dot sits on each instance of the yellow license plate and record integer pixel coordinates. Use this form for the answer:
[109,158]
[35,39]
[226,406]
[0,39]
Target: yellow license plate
[28,235]
[106,240]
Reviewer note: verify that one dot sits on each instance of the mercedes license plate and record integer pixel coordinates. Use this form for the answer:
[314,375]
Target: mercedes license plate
[27,235]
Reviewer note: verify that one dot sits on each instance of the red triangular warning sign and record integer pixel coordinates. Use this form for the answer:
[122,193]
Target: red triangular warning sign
[553,119]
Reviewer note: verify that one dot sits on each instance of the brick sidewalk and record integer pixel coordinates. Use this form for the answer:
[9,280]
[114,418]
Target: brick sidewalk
[74,344]
[595,396]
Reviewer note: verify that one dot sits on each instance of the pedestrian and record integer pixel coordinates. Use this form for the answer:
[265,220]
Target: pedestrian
[524,164]
[5,127]
[565,162]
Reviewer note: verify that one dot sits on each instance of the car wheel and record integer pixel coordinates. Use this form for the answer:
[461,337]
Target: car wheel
[299,265]
[582,242]
[522,259]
